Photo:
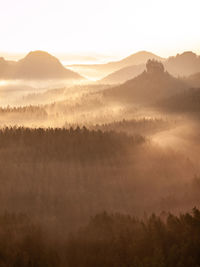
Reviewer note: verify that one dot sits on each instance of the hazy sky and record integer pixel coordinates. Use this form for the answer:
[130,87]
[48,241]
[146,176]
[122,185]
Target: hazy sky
[112,27]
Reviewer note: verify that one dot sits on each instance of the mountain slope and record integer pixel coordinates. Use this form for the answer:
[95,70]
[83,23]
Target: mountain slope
[150,86]
[135,59]
[36,65]
[124,74]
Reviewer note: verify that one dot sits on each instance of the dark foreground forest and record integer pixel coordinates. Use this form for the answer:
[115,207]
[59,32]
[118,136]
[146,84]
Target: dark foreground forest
[107,240]
[54,182]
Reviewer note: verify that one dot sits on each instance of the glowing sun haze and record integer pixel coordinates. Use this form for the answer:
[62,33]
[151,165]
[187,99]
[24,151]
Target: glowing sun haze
[110,27]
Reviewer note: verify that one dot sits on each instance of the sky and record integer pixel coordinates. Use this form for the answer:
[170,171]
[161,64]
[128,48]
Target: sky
[114,28]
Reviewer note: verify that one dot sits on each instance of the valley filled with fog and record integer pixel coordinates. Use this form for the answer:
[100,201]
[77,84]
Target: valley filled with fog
[72,147]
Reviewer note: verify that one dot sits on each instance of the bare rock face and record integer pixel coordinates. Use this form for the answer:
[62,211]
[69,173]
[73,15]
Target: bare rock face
[154,66]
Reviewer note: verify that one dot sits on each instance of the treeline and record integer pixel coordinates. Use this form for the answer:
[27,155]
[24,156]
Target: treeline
[36,111]
[136,126]
[61,143]
[108,240]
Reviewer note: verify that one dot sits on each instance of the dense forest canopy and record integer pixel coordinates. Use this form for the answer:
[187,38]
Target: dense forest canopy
[107,240]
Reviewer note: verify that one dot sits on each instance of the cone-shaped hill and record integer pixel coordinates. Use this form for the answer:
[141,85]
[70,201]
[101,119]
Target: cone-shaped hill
[36,65]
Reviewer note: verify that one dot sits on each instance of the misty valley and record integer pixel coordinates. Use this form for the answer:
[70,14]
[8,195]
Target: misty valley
[99,164]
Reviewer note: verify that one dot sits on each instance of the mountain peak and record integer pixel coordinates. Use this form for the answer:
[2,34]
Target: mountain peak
[139,58]
[40,56]
[38,53]
[144,52]
[188,54]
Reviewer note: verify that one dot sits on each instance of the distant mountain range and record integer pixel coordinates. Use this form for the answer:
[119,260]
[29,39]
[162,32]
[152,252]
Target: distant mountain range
[41,65]
[134,59]
[184,64]
[153,84]
[139,58]
[36,65]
